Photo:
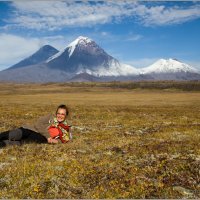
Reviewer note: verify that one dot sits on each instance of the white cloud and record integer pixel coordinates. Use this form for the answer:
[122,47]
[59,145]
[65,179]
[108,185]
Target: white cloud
[161,15]
[110,37]
[104,33]
[55,15]
[133,37]
[14,48]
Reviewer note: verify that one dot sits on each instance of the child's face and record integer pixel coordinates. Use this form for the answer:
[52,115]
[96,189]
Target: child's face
[61,115]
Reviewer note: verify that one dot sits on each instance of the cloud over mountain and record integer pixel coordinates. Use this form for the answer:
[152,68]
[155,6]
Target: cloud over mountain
[19,46]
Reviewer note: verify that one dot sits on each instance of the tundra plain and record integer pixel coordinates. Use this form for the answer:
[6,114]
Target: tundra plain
[131,140]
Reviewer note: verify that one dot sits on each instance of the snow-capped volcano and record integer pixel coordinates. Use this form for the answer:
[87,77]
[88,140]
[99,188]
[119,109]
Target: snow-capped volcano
[163,66]
[83,55]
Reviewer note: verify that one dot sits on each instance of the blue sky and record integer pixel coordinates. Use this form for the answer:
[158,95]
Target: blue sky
[135,32]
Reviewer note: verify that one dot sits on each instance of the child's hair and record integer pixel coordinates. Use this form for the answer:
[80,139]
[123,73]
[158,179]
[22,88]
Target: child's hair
[63,107]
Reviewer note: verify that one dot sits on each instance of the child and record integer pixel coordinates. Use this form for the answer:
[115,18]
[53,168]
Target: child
[47,129]
[59,128]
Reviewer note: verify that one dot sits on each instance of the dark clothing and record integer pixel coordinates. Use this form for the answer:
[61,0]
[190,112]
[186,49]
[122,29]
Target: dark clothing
[41,125]
[21,136]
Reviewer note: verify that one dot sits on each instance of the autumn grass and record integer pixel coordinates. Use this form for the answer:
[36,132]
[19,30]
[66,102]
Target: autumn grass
[128,143]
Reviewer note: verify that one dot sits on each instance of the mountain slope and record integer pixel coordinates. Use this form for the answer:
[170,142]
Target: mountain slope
[84,77]
[39,56]
[34,73]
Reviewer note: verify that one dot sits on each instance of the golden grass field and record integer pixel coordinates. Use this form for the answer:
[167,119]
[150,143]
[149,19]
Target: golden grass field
[128,142]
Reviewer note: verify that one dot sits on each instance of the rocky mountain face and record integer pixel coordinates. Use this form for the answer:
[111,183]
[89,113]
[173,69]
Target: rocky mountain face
[83,60]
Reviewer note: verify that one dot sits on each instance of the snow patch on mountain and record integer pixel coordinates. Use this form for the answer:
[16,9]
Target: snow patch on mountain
[115,69]
[54,56]
[168,66]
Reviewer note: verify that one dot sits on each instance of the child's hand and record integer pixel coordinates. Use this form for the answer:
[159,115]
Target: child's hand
[52,141]
[53,125]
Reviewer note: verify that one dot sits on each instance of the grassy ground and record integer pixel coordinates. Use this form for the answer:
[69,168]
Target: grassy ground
[128,143]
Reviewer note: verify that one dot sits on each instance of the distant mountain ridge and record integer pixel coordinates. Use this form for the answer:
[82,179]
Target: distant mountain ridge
[84,60]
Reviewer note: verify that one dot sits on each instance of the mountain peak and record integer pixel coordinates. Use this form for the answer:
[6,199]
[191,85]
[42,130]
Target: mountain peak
[81,40]
[173,62]
[85,39]
[69,50]
[174,59]
[47,47]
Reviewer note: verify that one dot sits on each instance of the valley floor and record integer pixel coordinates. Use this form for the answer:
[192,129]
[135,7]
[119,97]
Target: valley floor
[128,143]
